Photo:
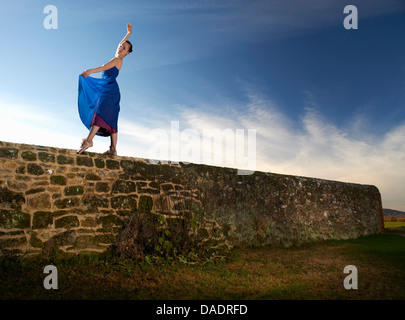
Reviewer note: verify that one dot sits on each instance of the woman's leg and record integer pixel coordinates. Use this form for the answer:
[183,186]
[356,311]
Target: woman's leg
[92,133]
[114,138]
[88,143]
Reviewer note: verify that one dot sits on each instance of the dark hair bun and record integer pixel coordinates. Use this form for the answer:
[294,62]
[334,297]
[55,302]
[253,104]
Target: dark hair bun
[130,46]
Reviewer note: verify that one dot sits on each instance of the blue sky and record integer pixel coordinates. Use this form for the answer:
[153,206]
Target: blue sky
[324,101]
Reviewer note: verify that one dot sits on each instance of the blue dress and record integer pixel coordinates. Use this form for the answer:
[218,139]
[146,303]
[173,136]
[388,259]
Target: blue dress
[99,101]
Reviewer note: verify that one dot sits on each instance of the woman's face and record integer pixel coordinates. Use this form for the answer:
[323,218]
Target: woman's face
[122,50]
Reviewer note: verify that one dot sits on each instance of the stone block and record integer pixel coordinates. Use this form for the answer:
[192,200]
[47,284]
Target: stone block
[123,186]
[10,219]
[60,180]
[46,157]
[145,204]
[65,238]
[89,222]
[67,222]
[17,185]
[42,219]
[91,201]
[29,156]
[85,241]
[35,169]
[34,190]
[110,222]
[9,153]
[20,170]
[61,159]
[124,202]
[102,187]
[13,242]
[84,161]
[112,164]
[67,203]
[36,242]
[40,201]
[74,191]
[99,163]
[11,199]
[92,177]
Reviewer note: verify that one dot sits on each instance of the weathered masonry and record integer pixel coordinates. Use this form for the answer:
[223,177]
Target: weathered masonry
[78,202]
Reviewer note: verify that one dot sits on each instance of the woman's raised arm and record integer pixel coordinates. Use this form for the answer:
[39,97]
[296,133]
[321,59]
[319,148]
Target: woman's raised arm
[129,31]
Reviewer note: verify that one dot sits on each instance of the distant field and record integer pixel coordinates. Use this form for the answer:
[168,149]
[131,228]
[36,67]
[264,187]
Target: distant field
[391,224]
[313,271]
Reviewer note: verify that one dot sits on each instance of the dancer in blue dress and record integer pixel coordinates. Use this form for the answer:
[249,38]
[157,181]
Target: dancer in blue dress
[99,99]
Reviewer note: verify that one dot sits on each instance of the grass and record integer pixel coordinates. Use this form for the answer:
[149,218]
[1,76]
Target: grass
[390,224]
[313,271]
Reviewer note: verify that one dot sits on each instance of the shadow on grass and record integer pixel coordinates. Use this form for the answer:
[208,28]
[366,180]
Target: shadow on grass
[312,271]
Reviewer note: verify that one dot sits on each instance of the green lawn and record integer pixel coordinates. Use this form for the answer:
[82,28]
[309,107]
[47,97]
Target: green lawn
[313,271]
[389,224]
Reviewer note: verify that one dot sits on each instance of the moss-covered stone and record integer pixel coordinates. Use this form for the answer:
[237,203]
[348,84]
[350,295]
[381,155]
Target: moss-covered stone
[99,163]
[92,177]
[74,190]
[124,213]
[112,164]
[105,238]
[66,203]
[102,187]
[12,233]
[60,180]
[110,222]
[10,219]
[67,222]
[20,170]
[34,190]
[65,238]
[42,219]
[145,204]
[13,242]
[61,159]
[36,242]
[89,222]
[9,153]
[84,161]
[11,199]
[35,169]
[127,164]
[167,187]
[154,184]
[46,157]
[95,201]
[40,201]
[124,202]
[122,186]
[85,241]
[29,156]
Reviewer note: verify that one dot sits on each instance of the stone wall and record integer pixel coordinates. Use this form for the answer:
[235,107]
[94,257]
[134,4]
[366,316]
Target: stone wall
[52,197]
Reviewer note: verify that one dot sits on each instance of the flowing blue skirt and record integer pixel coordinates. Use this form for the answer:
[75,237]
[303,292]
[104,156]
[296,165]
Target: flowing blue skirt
[98,102]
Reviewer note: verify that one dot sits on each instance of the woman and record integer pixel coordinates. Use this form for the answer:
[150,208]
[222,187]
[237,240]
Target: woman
[99,98]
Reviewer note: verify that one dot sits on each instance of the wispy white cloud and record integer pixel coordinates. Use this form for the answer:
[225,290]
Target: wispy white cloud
[317,148]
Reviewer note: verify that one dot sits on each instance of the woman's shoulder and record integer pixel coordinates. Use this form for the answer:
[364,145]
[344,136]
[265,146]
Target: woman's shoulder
[116,62]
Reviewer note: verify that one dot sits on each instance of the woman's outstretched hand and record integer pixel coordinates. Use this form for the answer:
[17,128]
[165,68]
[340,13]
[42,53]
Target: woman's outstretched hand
[85,74]
[129,27]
